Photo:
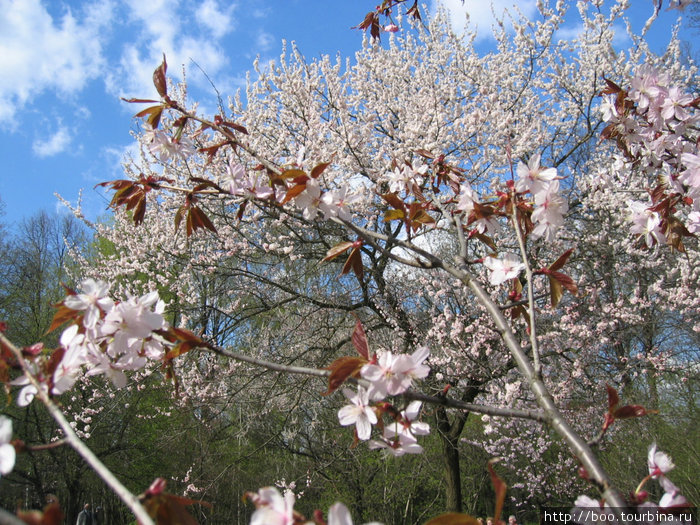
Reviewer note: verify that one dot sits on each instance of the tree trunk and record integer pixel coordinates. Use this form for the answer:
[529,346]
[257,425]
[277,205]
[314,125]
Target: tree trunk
[450,432]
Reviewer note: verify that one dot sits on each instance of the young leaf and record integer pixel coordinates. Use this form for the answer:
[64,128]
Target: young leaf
[499,488]
[561,261]
[337,250]
[555,291]
[359,340]
[354,263]
[159,78]
[341,369]
[319,169]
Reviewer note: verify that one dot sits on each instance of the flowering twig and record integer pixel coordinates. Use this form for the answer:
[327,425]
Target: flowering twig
[72,439]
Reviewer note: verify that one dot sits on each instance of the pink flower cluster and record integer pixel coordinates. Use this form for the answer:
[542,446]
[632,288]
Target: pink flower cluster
[165,147]
[659,464]
[550,207]
[275,509]
[7,450]
[111,338]
[657,126]
[389,375]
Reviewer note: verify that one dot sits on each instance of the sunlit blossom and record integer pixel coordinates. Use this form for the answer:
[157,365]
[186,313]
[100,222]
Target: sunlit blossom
[7,450]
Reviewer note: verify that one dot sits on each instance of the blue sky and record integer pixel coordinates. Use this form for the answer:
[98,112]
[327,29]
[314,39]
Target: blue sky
[65,63]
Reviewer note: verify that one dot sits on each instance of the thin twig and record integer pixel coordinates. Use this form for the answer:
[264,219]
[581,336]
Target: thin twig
[129,499]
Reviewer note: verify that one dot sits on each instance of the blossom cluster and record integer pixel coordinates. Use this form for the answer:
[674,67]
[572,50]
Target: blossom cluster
[7,450]
[275,509]
[655,124]
[550,207]
[106,337]
[659,464]
[388,375]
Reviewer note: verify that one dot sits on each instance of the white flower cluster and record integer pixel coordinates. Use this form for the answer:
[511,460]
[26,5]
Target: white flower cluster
[659,464]
[550,207]
[390,375]
[7,450]
[275,509]
[661,136]
[112,337]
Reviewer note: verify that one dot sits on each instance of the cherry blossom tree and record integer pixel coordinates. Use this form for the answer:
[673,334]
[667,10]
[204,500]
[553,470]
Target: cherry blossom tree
[464,208]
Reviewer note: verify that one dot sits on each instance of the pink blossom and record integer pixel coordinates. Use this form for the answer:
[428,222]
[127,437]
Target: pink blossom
[406,178]
[659,462]
[29,391]
[334,203]
[646,222]
[272,508]
[644,87]
[7,450]
[75,356]
[166,148]
[674,104]
[339,514]
[396,442]
[672,495]
[549,212]
[694,222]
[391,28]
[359,413]
[532,178]
[93,299]
[394,374]
[309,201]
[509,267]
[466,202]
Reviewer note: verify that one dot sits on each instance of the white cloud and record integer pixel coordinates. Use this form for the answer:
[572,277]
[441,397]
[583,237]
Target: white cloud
[620,35]
[264,41]
[159,29]
[57,143]
[215,19]
[483,14]
[39,53]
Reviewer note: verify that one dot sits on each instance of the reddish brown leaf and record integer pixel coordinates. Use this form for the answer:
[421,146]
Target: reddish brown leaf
[499,488]
[200,220]
[337,250]
[561,261]
[613,398]
[630,411]
[159,78]
[555,291]
[166,509]
[319,169]
[393,200]
[341,369]
[488,241]
[179,349]
[236,127]
[612,87]
[54,361]
[179,215]
[293,173]
[293,192]
[393,215]
[354,263]
[566,281]
[63,315]
[359,340]
[52,515]
[139,100]
[139,209]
